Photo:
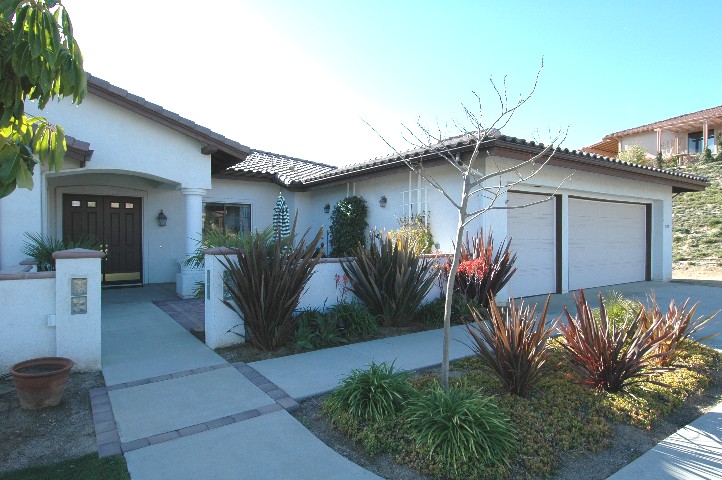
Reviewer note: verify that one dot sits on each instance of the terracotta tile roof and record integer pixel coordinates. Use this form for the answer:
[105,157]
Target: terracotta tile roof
[282,168]
[708,113]
[298,172]
[572,157]
[141,106]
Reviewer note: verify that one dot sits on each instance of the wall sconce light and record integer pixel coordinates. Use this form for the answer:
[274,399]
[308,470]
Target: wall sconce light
[162,219]
[383,201]
[326,208]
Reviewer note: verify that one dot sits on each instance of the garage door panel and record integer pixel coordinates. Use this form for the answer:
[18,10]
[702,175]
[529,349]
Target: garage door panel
[607,243]
[533,239]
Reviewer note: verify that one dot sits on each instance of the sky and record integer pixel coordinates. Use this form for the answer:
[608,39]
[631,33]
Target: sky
[303,78]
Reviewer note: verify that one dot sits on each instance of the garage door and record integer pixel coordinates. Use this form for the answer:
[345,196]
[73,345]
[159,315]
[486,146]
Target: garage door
[607,243]
[533,239]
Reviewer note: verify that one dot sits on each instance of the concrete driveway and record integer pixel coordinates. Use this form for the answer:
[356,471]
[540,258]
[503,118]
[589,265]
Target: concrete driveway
[707,293]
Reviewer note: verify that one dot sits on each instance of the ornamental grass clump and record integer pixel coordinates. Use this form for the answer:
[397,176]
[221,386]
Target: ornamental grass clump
[673,327]
[513,345]
[390,278]
[41,248]
[354,319]
[265,281]
[620,310]
[482,271]
[608,357]
[314,329]
[459,426]
[372,395]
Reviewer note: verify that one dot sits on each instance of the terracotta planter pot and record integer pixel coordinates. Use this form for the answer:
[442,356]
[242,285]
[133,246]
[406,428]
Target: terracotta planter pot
[40,382]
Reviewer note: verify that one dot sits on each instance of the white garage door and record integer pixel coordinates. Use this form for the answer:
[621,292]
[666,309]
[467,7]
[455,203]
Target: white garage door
[533,239]
[607,243]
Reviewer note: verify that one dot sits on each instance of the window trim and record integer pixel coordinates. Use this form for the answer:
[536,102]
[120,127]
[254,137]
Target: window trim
[225,205]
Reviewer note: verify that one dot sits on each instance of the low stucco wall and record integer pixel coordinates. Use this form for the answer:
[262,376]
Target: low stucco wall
[44,316]
[28,299]
[327,287]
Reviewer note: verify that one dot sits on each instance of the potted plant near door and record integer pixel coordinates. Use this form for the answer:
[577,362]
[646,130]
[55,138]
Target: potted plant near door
[40,382]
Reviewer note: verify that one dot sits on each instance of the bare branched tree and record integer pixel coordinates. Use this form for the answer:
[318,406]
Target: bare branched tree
[490,182]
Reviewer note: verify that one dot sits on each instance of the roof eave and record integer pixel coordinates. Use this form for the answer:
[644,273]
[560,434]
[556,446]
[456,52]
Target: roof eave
[591,163]
[140,106]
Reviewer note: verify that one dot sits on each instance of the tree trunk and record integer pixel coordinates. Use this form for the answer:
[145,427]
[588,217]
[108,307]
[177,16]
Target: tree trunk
[450,283]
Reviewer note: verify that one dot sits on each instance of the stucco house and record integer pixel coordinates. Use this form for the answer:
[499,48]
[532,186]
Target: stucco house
[683,136]
[129,160]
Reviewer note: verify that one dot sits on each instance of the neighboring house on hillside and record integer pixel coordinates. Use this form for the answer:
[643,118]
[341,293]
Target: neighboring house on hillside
[684,136]
[130,159]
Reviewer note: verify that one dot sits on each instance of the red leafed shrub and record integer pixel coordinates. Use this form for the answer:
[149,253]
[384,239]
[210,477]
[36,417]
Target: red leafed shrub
[675,326]
[477,267]
[513,344]
[482,270]
[608,357]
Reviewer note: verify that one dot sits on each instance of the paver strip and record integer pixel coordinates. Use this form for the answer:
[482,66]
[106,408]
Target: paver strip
[106,428]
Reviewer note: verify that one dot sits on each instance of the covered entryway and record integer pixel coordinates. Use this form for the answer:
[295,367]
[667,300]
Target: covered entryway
[532,230]
[608,243]
[116,223]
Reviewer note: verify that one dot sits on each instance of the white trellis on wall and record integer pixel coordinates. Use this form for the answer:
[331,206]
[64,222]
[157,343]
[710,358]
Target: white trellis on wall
[414,201]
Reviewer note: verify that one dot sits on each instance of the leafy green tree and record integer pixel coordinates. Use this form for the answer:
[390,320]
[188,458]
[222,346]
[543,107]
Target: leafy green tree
[39,61]
[634,154]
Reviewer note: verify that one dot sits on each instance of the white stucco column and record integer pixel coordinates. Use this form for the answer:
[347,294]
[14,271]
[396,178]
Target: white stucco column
[564,213]
[661,240]
[188,277]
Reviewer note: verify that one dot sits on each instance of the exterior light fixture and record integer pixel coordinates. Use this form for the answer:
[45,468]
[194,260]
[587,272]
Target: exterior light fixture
[326,208]
[162,219]
[383,201]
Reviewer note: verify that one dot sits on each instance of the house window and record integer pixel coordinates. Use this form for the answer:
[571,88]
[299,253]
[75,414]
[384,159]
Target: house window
[226,218]
[696,142]
[414,200]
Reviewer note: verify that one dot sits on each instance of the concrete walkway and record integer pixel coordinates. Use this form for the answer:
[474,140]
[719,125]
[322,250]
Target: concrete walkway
[177,410]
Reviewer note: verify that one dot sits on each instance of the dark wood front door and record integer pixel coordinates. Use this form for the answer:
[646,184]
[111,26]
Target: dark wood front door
[116,223]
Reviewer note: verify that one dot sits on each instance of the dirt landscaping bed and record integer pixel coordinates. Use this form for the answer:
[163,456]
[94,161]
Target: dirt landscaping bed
[46,436]
[622,444]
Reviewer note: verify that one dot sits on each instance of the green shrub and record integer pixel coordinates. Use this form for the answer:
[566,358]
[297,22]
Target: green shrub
[513,345]
[460,426]
[416,231]
[705,156]
[216,238]
[370,395]
[348,226]
[41,248]
[265,281]
[461,308]
[355,318]
[431,313]
[608,357]
[634,154]
[620,310]
[390,278]
[315,329]
[304,338]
